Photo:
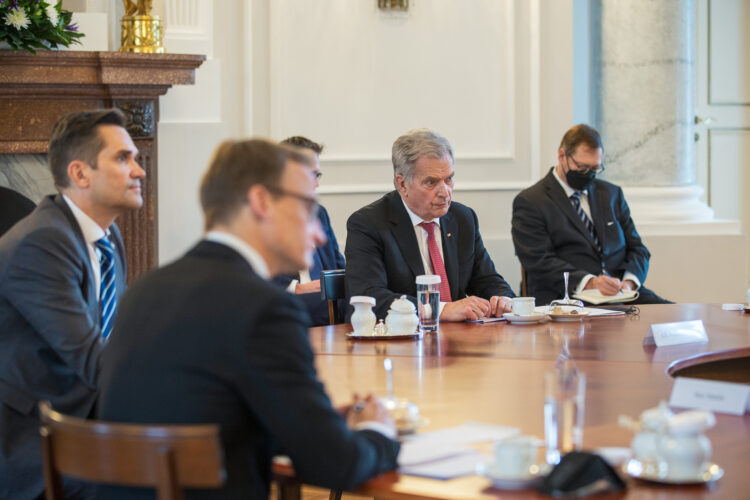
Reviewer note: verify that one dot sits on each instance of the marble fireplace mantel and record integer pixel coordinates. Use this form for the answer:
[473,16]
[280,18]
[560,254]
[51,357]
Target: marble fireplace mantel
[36,89]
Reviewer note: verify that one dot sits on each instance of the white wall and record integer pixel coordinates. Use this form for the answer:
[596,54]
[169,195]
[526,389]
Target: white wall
[494,76]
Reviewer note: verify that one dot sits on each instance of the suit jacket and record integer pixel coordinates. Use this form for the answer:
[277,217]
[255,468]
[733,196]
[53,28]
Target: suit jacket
[13,207]
[550,238]
[50,334]
[383,259]
[209,341]
[328,257]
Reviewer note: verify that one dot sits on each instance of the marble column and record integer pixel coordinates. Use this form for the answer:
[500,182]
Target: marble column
[642,57]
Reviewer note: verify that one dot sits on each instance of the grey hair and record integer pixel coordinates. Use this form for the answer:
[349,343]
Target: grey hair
[414,144]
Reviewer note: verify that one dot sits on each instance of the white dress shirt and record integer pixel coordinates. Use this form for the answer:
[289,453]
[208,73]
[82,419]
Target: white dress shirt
[91,233]
[587,208]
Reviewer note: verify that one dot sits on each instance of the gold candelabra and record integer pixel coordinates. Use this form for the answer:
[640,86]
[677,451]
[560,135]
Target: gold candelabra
[141,32]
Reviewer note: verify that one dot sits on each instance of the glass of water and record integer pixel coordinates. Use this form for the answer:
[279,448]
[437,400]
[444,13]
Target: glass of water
[428,302]
[564,399]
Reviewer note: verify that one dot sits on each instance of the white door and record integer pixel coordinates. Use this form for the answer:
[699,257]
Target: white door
[722,107]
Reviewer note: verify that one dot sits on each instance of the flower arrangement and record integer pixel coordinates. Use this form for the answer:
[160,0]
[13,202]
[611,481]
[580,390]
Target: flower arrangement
[36,24]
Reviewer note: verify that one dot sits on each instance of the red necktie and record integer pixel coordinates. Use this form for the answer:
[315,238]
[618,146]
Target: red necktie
[437,261]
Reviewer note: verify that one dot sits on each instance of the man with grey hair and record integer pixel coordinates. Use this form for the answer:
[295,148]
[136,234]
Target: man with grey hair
[415,230]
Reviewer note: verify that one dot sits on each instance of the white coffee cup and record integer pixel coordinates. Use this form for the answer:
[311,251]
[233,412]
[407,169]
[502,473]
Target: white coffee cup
[514,456]
[523,306]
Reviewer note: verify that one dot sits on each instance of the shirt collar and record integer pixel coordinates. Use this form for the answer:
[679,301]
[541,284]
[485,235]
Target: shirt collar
[568,190]
[241,247]
[90,229]
[415,219]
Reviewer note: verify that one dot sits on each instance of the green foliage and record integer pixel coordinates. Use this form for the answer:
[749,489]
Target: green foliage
[36,24]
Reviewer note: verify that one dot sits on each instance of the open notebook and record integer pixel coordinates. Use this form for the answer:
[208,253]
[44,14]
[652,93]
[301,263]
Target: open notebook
[595,296]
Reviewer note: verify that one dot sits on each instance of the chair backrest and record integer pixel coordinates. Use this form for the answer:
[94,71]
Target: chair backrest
[524,286]
[165,457]
[332,289]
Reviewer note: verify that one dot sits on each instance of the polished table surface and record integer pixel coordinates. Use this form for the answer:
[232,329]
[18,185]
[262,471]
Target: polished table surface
[494,373]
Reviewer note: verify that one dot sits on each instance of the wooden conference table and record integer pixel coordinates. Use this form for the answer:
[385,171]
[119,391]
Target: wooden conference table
[494,373]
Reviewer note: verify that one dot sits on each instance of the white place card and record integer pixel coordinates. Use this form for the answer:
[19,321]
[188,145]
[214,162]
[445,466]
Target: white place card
[680,332]
[713,395]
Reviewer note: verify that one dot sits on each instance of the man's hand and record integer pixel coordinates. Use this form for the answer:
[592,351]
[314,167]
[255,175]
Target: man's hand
[500,305]
[605,284]
[309,287]
[368,409]
[468,308]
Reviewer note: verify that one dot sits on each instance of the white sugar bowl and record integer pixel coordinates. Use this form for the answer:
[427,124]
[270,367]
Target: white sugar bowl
[684,448]
[402,317]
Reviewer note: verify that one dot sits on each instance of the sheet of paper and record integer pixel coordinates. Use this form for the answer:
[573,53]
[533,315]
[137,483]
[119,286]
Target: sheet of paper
[468,433]
[449,468]
[415,452]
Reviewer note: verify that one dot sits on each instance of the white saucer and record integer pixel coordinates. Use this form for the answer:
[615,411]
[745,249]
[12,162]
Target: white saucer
[375,336]
[634,468]
[531,480]
[526,318]
[568,317]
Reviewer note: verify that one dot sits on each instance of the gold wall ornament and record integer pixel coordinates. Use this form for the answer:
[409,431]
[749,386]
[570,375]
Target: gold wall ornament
[141,32]
[393,4]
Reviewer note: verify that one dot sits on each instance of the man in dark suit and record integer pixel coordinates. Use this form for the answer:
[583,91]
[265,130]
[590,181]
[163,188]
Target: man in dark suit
[416,230]
[306,283]
[572,221]
[13,207]
[62,269]
[210,339]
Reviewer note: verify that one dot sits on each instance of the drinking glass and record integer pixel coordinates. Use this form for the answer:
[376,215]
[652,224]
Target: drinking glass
[566,303]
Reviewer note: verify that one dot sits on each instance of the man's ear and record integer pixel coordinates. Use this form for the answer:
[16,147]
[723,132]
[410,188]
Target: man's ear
[401,184]
[560,155]
[78,173]
[259,201]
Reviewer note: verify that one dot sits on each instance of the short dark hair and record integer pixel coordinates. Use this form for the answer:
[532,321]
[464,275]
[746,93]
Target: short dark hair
[236,166]
[75,136]
[303,142]
[580,134]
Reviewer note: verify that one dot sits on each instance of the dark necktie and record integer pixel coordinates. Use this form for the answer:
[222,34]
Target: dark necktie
[437,261]
[575,199]
[107,286]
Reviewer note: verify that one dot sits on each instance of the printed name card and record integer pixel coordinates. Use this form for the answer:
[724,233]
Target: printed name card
[713,395]
[680,332]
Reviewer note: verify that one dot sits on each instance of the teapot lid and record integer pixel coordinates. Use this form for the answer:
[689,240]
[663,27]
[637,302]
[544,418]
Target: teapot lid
[656,417]
[403,305]
[362,299]
[691,422]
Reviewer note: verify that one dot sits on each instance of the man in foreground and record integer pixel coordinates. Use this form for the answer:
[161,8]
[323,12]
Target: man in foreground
[62,271]
[306,283]
[417,229]
[211,340]
[572,221]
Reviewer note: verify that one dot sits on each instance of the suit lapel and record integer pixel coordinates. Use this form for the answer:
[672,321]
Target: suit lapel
[403,232]
[449,230]
[89,287]
[557,194]
[598,213]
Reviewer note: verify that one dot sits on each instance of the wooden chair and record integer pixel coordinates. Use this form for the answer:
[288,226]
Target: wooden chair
[165,457]
[332,289]
[524,289]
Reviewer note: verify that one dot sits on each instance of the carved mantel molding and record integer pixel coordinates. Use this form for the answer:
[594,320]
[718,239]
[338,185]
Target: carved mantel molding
[36,89]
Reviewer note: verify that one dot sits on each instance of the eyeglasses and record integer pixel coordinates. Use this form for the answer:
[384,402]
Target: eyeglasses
[597,169]
[318,175]
[310,203]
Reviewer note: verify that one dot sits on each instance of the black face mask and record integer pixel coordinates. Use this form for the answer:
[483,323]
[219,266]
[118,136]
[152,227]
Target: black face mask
[579,180]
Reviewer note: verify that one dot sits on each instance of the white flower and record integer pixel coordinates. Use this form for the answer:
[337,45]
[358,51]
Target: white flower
[17,18]
[52,15]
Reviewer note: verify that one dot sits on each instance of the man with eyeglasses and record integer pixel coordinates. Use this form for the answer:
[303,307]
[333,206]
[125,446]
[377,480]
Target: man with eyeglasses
[306,283]
[211,340]
[572,221]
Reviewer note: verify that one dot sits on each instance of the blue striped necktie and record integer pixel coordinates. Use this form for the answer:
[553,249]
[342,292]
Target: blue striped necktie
[575,199]
[108,286]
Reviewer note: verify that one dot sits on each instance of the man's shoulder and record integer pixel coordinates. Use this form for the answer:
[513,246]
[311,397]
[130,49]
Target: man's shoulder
[47,225]
[605,186]
[536,190]
[461,211]
[378,209]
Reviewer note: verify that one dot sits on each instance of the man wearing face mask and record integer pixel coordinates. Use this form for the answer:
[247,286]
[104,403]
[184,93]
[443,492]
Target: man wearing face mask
[572,221]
